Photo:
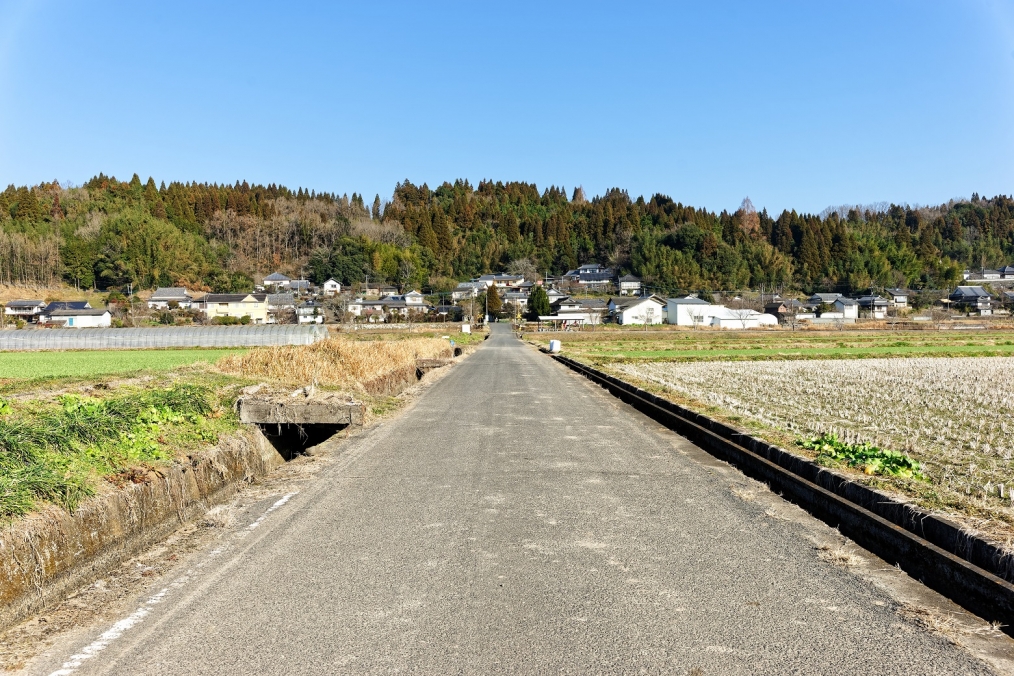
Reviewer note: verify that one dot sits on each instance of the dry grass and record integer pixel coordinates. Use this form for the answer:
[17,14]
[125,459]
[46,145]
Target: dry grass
[839,555]
[336,362]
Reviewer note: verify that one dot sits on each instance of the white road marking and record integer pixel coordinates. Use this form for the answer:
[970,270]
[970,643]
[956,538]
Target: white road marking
[135,618]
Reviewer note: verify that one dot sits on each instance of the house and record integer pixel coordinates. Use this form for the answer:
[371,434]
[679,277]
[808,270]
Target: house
[898,298]
[279,303]
[309,312]
[298,286]
[972,298]
[332,287]
[84,318]
[629,285]
[500,280]
[379,290]
[567,311]
[586,269]
[818,299]
[238,305]
[165,295]
[637,310]
[555,295]
[467,290]
[47,312]
[276,280]
[28,310]
[591,275]
[517,298]
[1006,272]
[728,318]
[526,287]
[990,274]
[411,302]
[874,307]
[688,311]
[848,308]
[414,298]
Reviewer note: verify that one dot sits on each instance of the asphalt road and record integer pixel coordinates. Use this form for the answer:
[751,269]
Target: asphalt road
[517,519]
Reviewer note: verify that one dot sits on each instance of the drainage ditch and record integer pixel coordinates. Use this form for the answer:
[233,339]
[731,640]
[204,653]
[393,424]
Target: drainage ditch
[291,439]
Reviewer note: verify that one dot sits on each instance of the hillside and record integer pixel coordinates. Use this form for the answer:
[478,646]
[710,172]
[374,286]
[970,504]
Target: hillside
[110,233]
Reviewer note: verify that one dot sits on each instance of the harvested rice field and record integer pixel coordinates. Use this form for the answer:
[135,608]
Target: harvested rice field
[951,415]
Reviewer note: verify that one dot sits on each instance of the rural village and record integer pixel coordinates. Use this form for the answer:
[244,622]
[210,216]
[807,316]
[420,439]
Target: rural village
[571,338]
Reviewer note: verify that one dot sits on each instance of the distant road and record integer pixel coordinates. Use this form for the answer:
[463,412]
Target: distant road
[518,519]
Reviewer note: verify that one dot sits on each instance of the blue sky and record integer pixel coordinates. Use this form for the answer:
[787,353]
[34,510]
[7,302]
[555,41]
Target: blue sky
[796,104]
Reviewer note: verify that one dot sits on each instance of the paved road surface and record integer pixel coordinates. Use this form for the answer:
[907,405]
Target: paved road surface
[518,519]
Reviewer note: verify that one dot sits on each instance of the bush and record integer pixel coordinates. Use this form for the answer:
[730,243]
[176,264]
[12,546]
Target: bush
[225,321]
[245,319]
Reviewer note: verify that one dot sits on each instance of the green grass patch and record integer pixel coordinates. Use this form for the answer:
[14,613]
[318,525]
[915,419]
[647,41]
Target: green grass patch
[867,458]
[58,451]
[41,365]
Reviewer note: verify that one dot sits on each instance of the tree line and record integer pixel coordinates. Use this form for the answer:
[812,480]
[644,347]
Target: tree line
[109,233]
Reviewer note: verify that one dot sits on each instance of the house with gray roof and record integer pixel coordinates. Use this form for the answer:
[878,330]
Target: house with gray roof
[164,295]
[972,298]
[27,310]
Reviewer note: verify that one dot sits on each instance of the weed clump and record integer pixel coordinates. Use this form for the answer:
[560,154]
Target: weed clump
[54,452]
[867,458]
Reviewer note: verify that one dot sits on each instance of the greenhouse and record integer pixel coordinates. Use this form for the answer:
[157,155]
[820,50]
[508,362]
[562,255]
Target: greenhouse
[169,337]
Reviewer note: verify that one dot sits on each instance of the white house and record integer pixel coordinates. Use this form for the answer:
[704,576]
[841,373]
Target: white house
[46,315]
[309,313]
[500,280]
[629,285]
[688,311]
[165,295]
[726,318]
[332,287]
[28,310]
[467,290]
[637,310]
[847,307]
[874,306]
[898,298]
[276,280]
[414,298]
[87,318]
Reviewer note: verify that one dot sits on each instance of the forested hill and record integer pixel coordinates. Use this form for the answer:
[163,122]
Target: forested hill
[109,233]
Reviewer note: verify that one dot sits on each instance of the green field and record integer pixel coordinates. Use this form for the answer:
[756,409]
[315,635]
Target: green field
[39,365]
[711,345]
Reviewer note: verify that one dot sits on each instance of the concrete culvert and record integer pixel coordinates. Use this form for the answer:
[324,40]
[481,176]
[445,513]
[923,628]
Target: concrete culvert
[291,439]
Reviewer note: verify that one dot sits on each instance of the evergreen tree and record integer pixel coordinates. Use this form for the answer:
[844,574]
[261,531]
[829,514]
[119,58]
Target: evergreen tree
[375,212]
[538,303]
[493,302]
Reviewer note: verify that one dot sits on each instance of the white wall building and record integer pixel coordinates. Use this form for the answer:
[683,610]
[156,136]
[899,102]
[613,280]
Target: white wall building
[643,310]
[726,318]
[89,318]
[689,311]
[332,287]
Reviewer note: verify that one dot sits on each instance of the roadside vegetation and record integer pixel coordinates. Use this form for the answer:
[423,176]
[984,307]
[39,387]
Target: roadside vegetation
[336,363]
[63,448]
[73,424]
